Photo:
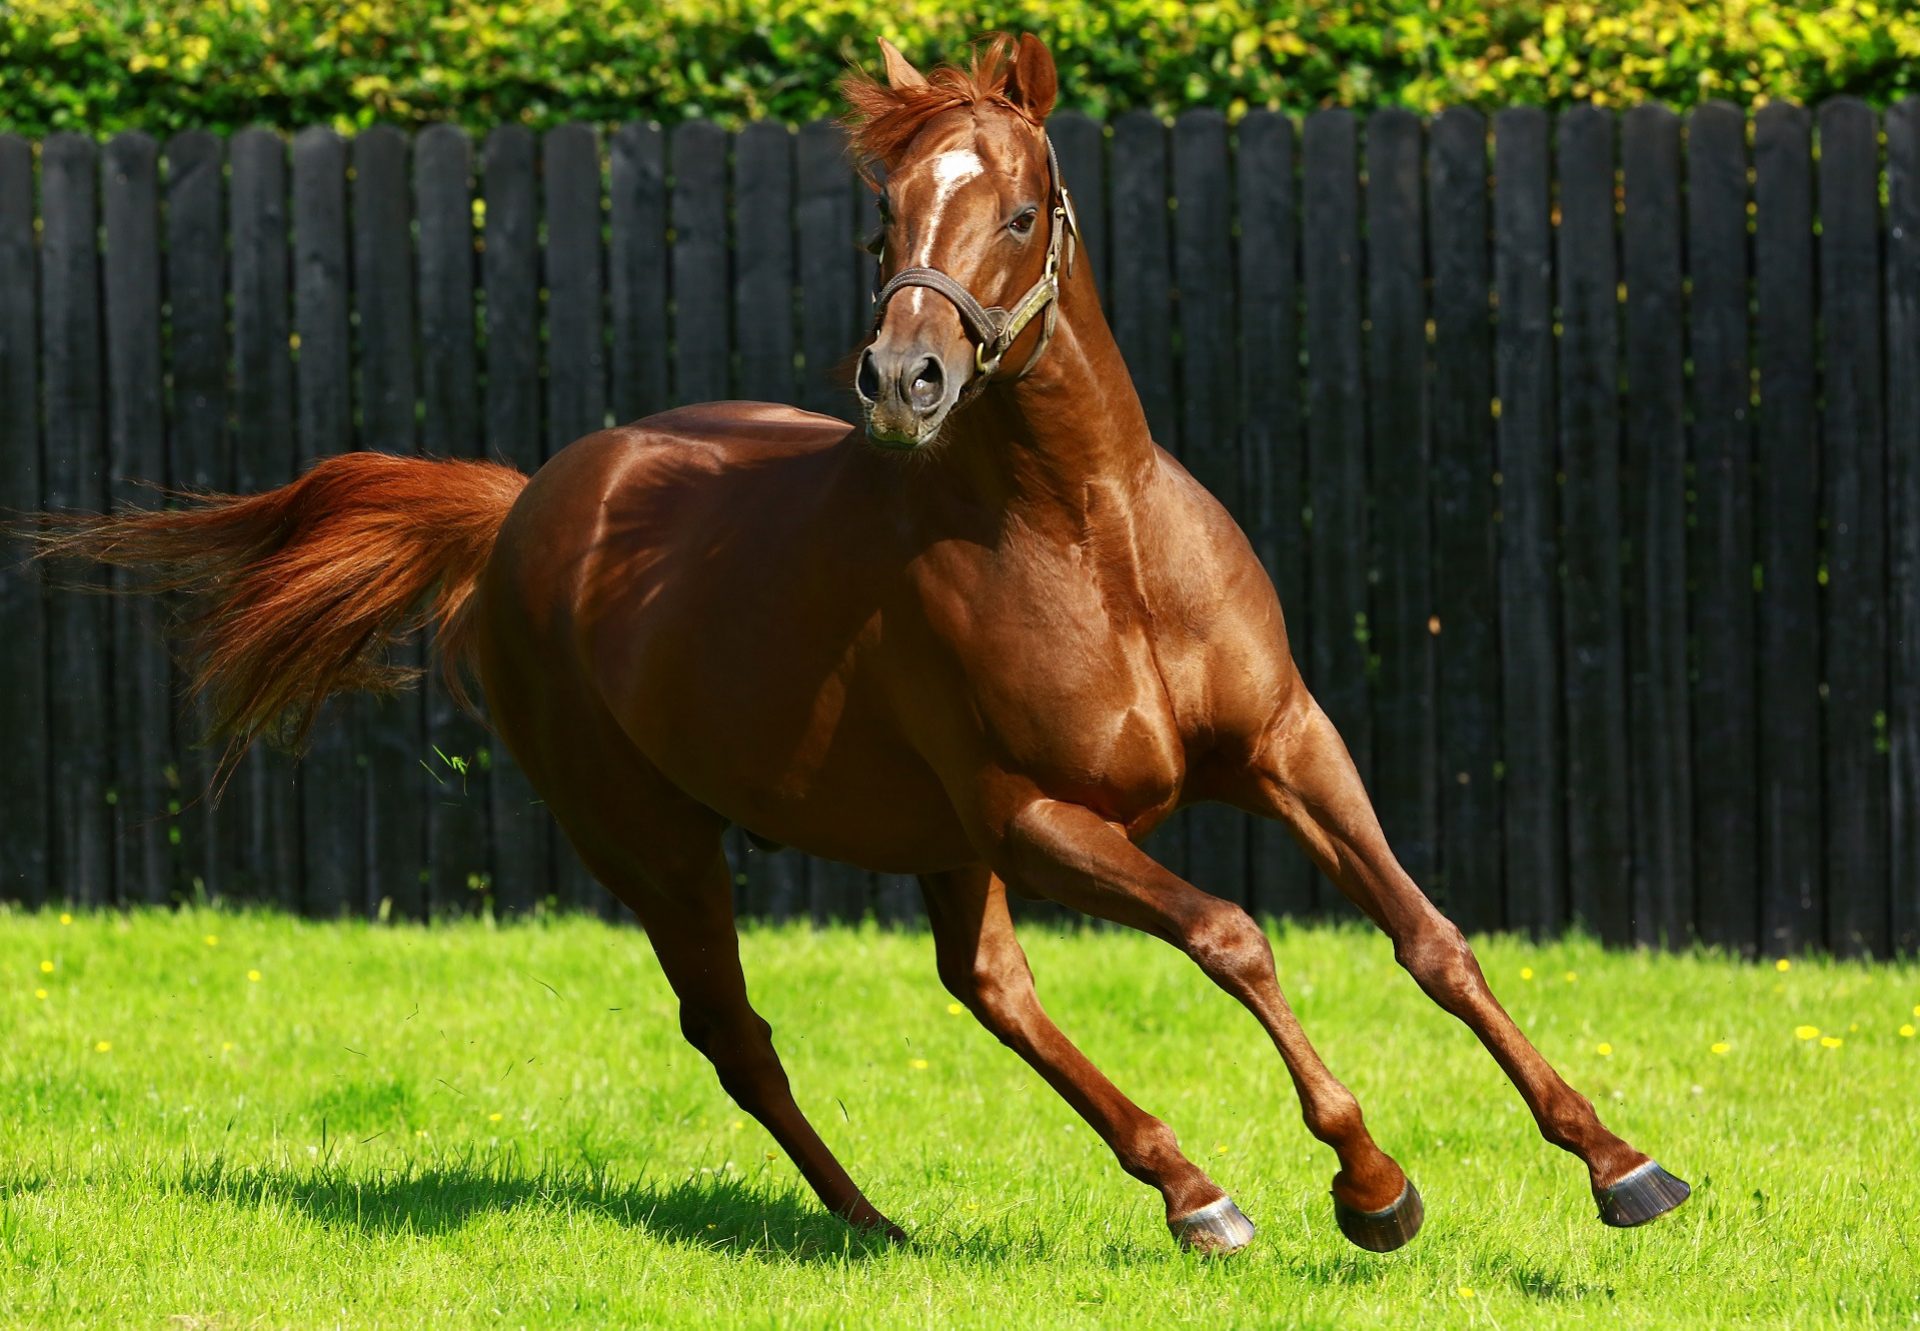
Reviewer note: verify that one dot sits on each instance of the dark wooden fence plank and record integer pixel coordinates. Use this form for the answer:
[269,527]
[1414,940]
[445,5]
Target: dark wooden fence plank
[392,730]
[80,640]
[1465,569]
[1599,848]
[576,353]
[1140,296]
[1139,300]
[1080,143]
[25,806]
[332,803]
[637,270]
[764,271]
[701,298]
[826,226]
[1405,707]
[200,456]
[1721,553]
[1903,519]
[1791,913]
[458,864]
[1268,202]
[1534,865]
[510,284]
[1655,524]
[264,793]
[576,357]
[1209,379]
[144,773]
[1336,434]
[1854,497]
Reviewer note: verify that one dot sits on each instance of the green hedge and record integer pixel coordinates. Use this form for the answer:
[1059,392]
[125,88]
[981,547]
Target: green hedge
[162,65]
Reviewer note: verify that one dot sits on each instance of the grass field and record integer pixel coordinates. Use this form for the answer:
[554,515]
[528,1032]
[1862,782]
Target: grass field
[227,1120]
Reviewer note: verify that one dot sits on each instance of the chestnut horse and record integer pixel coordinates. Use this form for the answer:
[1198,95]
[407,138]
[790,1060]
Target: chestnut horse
[993,638]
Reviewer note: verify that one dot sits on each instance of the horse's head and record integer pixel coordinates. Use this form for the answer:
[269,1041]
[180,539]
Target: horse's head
[969,234]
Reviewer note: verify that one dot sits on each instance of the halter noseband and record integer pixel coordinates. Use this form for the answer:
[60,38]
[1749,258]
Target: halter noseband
[991,329]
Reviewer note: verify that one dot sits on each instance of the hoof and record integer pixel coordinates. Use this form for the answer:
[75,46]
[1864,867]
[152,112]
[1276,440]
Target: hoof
[1383,1231]
[1216,1229]
[1647,1193]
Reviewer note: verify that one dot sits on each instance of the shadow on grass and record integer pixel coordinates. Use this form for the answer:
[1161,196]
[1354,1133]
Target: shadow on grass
[718,1212]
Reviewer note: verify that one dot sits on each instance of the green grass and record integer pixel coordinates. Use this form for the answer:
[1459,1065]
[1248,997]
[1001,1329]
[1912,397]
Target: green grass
[467,1126]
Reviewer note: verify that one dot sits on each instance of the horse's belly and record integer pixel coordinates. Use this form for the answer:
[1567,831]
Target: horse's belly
[821,768]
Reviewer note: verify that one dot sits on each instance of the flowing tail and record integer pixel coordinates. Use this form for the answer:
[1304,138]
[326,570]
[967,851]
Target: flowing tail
[298,593]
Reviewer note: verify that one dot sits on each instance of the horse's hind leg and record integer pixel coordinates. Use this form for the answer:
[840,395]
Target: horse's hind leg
[660,853]
[982,965]
[1306,777]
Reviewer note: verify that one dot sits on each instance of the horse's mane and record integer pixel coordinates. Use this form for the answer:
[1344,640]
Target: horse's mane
[883,120]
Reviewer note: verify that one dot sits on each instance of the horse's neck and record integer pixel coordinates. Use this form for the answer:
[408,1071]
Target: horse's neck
[1072,427]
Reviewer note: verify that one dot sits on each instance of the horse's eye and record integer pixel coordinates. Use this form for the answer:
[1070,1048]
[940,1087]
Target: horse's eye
[876,244]
[1024,222]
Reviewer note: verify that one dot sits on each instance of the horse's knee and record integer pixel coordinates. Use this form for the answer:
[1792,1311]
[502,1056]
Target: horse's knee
[999,995]
[1226,943]
[1441,963]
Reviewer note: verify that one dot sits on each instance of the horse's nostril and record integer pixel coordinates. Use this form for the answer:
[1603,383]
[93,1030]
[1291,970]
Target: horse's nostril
[927,387]
[867,382]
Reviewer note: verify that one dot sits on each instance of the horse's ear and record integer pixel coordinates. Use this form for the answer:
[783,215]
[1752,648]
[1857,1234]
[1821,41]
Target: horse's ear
[900,73]
[1032,83]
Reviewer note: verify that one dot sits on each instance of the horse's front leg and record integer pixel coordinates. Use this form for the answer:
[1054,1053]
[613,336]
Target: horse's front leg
[1303,775]
[983,965]
[1071,855]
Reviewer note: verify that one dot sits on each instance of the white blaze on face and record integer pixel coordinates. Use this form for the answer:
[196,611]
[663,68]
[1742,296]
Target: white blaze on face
[951,170]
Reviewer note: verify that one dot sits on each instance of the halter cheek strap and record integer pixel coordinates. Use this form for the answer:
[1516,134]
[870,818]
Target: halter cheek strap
[992,329]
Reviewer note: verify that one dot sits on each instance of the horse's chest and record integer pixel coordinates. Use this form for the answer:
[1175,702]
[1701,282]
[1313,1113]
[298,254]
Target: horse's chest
[1077,697]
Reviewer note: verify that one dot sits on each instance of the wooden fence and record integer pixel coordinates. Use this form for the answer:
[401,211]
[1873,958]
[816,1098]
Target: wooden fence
[1585,453]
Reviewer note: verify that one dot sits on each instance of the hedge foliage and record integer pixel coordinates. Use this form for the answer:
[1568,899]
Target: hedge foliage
[162,65]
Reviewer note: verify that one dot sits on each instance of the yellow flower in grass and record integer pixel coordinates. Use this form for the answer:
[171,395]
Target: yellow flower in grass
[954,1009]
[1465,1291]
[102,1046]
[1831,1042]
[1806,1032]
[212,940]
[493,1118]
[1906,1030]
[254,976]
[1571,977]
[46,968]
[65,918]
[42,993]
[1783,965]
[1526,972]
[1916,1009]
[917,1064]
[1603,1049]
[1720,1046]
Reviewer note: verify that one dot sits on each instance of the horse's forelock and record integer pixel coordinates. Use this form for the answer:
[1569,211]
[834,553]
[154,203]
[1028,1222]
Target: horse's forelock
[882,120]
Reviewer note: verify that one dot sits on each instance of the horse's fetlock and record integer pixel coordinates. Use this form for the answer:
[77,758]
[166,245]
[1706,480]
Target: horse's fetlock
[1149,1150]
[1335,1117]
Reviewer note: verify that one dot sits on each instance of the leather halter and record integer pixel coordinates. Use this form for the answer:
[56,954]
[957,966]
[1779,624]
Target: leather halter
[992,329]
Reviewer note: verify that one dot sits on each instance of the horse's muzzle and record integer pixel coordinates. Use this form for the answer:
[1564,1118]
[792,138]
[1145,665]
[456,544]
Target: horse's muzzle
[906,394]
